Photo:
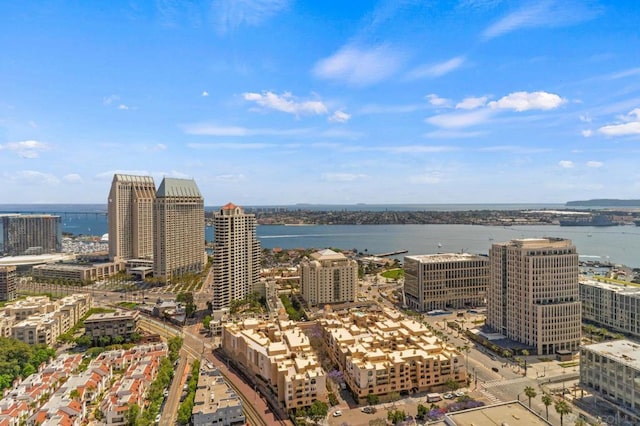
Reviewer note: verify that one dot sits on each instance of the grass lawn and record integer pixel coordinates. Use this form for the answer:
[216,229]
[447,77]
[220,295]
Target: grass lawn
[393,274]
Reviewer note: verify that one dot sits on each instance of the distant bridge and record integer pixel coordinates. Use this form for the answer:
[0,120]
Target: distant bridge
[391,253]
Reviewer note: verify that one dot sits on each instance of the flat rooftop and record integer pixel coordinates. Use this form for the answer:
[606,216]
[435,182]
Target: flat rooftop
[444,257]
[623,351]
[508,413]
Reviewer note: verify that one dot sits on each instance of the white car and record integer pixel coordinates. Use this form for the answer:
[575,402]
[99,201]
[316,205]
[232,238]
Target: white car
[337,413]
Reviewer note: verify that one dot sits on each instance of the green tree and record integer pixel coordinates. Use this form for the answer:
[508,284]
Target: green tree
[74,394]
[531,393]
[373,399]
[206,322]
[396,416]
[547,401]
[84,340]
[452,384]
[562,408]
[318,410]
[422,411]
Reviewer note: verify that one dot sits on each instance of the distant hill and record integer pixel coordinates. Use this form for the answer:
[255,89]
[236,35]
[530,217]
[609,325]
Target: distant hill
[604,202]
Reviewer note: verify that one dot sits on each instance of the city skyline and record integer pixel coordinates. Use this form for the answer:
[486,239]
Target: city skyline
[474,101]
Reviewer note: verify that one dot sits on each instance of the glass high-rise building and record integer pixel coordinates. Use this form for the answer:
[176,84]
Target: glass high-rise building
[130,217]
[178,229]
[236,259]
[26,234]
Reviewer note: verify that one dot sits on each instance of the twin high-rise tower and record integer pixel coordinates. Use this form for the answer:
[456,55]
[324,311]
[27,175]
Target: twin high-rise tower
[166,225]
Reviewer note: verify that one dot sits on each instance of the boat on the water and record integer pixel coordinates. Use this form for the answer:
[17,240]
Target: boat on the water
[597,220]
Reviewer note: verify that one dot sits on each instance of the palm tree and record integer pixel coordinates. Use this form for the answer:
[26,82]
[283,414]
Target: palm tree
[531,393]
[525,353]
[547,401]
[562,408]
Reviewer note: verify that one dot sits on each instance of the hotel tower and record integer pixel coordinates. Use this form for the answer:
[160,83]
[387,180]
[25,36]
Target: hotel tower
[533,294]
[178,222]
[130,217]
[236,260]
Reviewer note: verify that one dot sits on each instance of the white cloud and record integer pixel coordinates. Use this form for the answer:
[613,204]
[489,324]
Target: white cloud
[524,101]
[31,177]
[547,13]
[390,109]
[514,149]
[339,117]
[232,146]
[437,101]
[26,149]
[428,178]
[157,147]
[343,177]
[285,103]
[205,129]
[360,66]
[565,164]
[452,134]
[459,119]
[472,103]
[231,178]
[204,94]
[587,133]
[436,70]
[595,164]
[108,100]
[585,118]
[123,107]
[231,14]
[72,178]
[631,125]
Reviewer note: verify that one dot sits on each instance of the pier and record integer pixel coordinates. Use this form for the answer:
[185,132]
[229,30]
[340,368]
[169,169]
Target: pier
[391,253]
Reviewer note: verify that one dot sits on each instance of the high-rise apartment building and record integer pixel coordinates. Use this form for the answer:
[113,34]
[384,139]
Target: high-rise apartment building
[328,277]
[7,283]
[236,260]
[178,229]
[448,280]
[130,217]
[533,294]
[25,234]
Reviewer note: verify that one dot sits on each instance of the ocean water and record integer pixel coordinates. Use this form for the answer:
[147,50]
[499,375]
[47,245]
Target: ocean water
[618,244]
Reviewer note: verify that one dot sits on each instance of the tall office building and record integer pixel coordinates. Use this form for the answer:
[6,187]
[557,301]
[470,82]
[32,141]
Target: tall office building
[533,293]
[24,234]
[178,229]
[7,283]
[328,277]
[447,280]
[130,217]
[236,259]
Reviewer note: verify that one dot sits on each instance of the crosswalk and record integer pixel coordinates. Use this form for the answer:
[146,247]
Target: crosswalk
[500,382]
[491,397]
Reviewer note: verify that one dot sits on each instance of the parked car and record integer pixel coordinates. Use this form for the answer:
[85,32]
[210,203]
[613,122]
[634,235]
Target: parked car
[337,413]
[459,393]
[448,395]
[368,410]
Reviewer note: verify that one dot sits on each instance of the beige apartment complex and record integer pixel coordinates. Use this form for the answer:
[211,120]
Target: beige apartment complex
[442,281]
[28,234]
[8,283]
[130,217]
[328,277]
[613,306]
[236,260]
[39,320]
[383,353]
[178,229]
[533,294]
[111,324]
[280,353]
[215,403]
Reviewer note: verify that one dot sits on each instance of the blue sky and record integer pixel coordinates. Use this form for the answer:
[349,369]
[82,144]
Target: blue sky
[279,102]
